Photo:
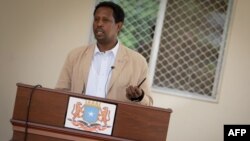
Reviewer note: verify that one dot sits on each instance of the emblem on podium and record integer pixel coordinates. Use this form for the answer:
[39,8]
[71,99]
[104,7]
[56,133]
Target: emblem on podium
[89,115]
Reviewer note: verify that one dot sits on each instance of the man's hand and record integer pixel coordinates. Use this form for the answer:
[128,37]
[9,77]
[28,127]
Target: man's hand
[134,93]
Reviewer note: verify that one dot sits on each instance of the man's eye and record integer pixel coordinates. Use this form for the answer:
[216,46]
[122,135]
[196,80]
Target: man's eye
[105,20]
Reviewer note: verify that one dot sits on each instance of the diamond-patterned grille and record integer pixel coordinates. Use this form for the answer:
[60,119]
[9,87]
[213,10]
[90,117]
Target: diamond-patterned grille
[190,45]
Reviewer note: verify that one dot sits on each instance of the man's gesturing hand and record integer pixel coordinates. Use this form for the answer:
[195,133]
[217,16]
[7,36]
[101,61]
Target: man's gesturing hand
[134,93]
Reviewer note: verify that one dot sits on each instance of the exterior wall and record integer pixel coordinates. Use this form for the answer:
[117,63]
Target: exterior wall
[35,37]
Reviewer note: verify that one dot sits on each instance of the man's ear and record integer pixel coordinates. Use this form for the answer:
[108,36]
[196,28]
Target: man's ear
[119,26]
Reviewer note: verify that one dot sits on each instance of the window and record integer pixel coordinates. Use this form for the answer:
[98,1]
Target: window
[183,42]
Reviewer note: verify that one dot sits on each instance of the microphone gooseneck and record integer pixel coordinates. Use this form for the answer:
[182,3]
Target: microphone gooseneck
[28,111]
[111,68]
[83,89]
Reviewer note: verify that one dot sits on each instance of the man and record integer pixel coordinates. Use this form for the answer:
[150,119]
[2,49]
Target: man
[107,69]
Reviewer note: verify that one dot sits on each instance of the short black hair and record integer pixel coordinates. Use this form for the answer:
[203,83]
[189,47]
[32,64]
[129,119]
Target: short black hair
[118,12]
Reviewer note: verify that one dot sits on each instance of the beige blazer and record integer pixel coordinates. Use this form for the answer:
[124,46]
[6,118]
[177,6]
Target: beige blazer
[130,69]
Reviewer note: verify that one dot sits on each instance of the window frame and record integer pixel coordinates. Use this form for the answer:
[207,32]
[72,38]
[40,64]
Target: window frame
[219,67]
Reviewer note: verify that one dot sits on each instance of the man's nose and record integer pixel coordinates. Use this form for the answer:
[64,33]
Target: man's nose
[99,23]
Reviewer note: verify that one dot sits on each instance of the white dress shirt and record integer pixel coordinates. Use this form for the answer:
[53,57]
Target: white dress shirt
[101,71]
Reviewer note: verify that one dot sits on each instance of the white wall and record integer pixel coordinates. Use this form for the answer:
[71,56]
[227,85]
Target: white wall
[36,35]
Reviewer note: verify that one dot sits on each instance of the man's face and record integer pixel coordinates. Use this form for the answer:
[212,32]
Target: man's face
[104,26]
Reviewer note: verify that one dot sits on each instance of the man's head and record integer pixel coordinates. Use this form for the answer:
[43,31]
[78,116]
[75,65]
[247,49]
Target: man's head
[118,12]
[108,21]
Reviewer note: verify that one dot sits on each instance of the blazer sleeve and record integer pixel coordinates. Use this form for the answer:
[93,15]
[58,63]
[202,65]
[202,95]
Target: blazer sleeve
[65,78]
[147,99]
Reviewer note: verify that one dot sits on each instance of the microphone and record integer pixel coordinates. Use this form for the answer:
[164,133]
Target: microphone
[111,68]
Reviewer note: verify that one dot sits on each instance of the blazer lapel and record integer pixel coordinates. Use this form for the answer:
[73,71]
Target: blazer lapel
[86,64]
[120,62]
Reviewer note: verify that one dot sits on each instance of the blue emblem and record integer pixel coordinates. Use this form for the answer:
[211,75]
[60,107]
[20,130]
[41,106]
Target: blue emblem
[90,114]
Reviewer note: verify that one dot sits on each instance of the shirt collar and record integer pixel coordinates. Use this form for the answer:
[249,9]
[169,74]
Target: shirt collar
[113,50]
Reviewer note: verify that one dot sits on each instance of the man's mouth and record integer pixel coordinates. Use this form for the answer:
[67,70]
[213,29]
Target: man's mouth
[99,32]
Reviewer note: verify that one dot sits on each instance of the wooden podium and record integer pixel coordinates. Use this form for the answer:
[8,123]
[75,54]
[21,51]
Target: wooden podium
[39,115]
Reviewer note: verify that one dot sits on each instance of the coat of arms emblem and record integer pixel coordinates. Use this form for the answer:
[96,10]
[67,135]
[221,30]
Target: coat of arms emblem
[89,115]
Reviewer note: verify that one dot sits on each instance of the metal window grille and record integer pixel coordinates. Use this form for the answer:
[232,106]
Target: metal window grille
[185,48]
[191,46]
